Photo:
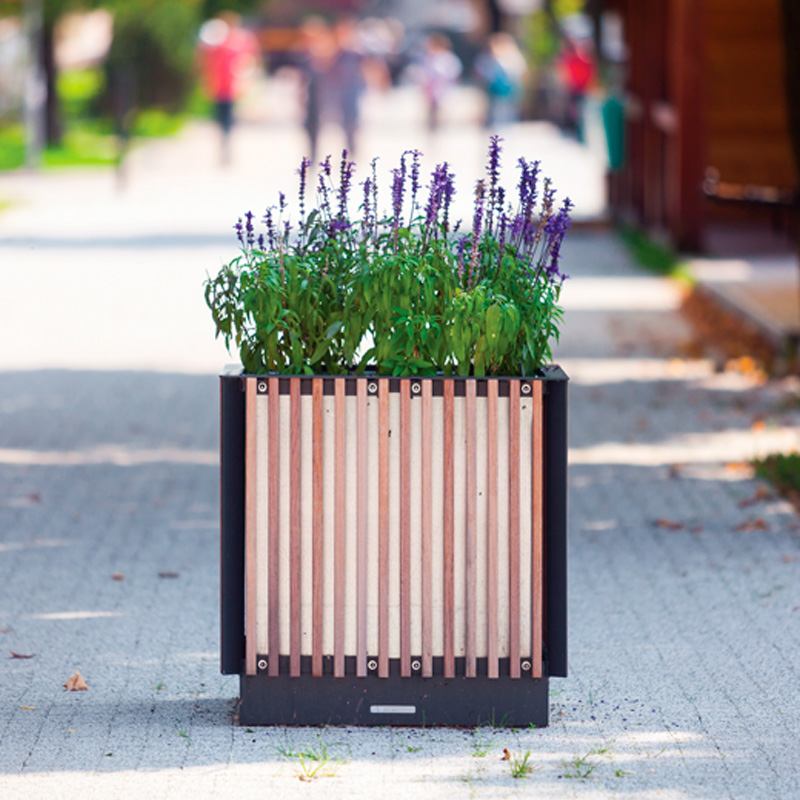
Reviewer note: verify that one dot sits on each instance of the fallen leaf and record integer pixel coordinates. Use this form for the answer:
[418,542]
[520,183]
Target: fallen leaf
[76,683]
[761,494]
[506,754]
[669,524]
[28,708]
[34,497]
[70,730]
[6,630]
[757,524]
[789,559]
[117,576]
[759,425]
[21,655]
[168,575]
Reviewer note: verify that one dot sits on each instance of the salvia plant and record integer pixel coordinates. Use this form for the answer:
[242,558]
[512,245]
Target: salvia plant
[400,293]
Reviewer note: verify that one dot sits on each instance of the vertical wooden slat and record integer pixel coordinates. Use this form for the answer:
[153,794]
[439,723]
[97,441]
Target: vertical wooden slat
[317,524]
[405,528]
[383,528]
[339,530]
[251,484]
[472,530]
[513,528]
[491,530]
[361,528]
[295,527]
[427,530]
[537,578]
[274,526]
[449,533]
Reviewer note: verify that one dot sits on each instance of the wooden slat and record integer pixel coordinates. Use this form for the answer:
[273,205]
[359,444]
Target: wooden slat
[274,527]
[383,528]
[513,528]
[472,530]
[295,527]
[493,670]
[361,528]
[317,524]
[250,532]
[405,528]
[427,530]
[339,529]
[449,534]
[537,580]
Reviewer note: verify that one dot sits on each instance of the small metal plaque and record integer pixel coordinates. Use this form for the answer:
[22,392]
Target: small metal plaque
[393,709]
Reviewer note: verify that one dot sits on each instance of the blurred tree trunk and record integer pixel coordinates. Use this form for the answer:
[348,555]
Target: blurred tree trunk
[791,35]
[53,127]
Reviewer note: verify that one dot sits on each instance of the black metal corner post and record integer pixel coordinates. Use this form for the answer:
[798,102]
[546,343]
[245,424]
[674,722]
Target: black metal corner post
[556,491]
[232,481]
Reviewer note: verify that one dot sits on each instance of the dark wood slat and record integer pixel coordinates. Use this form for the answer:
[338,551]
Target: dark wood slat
[250,541]
[274,522]
[295,528]
[317,524]
[513,528]
[493,668]
[383,528]
[405,528]
[471,576]
[449,534]
[426,498]
[361,529]
[339,530]
[537,578]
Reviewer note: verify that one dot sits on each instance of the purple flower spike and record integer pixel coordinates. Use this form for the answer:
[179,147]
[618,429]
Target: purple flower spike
[303,172]
[477,222]
[345,178]
[367,227]
[249,229]
[239,228]
[269,222]
[493,169]
[398,187]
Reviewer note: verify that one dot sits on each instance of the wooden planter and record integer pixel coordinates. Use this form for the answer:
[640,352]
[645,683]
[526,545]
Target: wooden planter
[394,549]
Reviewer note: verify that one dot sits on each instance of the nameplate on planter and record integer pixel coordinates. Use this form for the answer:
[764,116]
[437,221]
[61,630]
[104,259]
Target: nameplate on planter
[393,709]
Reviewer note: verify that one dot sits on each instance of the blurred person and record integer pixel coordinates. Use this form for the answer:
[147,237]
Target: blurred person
[577,71]
[229,55]
[345,79]
[501,69]
[318,51]
[440,69]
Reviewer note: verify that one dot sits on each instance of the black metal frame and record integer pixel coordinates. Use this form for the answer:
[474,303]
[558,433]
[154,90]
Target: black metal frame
[307,700]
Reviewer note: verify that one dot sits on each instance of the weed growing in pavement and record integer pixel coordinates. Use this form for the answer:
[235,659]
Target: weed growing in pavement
[480,745]
[312,761]
[581,767]
[520,765]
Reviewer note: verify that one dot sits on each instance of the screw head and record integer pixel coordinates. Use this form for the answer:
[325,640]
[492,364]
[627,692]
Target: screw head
[526,666]
[372,665]
[526,388]
[416,666]
[262,386]
[372,387]
[416,388]
[262,663]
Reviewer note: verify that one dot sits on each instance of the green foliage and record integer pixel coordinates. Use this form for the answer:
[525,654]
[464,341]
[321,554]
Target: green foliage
[782,470]
[520,765]
[12,146]
[400,295]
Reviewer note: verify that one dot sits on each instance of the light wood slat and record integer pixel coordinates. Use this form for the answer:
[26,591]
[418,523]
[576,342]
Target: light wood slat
[493,670]
[274,526]
[295,527]
[449,533]
[537,583]
[405,528]
[513,527]
[339,530]
[427,530]
[472,530]
[383,528]
[250,534]
[317,524]
[361,528]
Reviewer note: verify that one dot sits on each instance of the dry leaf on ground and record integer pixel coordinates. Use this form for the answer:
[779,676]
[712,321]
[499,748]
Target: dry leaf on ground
[669,524]
[6,630]
[76,683]
[117,576]
[788,559]
[506,754]
[168,575]
[757,524]
[28,708]
[761,494]
[22,655]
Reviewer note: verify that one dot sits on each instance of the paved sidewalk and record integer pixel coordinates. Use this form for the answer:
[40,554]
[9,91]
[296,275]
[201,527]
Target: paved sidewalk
[684,591]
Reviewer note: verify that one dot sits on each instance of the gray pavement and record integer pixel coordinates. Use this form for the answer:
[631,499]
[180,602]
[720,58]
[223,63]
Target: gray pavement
[684,591]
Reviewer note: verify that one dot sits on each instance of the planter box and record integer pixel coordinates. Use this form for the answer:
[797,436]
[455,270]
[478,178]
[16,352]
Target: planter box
[394,549]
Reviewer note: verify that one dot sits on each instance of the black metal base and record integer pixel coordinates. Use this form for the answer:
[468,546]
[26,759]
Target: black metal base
[461,702]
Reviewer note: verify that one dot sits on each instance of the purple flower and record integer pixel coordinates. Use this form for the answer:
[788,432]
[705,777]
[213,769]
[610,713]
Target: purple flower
[261,242]
[415,155]
[367,184]
[249,229]
[555,230]
[477,222]
[269,222]
[239,228]
[493,168]
[398,186]
[303,173]
[436,194]
[501,237]
[345,177]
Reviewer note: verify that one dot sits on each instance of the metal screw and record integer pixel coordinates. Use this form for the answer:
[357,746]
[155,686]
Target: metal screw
[372,665]
[262,663]
[262,386]
[526,388]
[372,387]
[416,666]
[526,666]
[416,388]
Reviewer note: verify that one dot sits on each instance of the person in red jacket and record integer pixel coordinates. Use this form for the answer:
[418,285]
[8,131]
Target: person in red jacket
[229,54]
[577,70]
